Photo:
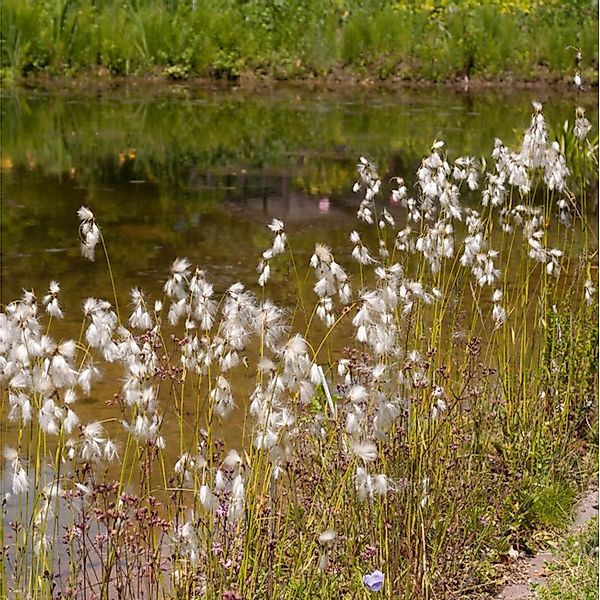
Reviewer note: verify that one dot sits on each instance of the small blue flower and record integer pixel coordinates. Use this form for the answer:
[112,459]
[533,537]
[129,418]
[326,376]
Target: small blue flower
[374,581]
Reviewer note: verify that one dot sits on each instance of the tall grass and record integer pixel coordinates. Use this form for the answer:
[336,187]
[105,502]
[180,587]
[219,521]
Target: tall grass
[421,408]
[289,39]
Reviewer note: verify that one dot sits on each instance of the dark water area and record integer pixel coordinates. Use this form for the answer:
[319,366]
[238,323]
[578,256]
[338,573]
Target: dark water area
[199,174]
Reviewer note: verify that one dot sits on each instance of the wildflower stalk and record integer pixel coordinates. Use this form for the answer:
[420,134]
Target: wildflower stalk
[467,362]
[112,279]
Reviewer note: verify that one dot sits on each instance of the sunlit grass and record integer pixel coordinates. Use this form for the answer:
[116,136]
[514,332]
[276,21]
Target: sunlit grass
[575,575]
[291,39]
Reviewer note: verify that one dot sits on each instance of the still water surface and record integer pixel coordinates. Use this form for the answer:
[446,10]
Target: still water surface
[200,173]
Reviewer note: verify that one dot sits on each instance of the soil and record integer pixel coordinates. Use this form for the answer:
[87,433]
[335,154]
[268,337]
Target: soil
[533,570]
[101,80]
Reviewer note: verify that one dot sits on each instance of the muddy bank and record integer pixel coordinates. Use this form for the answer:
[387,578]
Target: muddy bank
[340,81]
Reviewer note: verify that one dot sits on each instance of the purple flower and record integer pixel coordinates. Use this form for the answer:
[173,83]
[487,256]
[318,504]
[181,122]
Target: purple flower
[374,581]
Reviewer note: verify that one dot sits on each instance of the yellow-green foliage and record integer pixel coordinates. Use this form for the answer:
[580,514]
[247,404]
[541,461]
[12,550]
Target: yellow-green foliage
[504,6]
[287,39]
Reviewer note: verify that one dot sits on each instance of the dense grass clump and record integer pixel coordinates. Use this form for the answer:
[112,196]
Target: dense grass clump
[291,39]
[419,410]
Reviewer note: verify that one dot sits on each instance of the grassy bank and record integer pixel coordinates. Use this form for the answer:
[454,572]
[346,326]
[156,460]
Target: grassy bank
[575,574]
[422,406]
[178,39]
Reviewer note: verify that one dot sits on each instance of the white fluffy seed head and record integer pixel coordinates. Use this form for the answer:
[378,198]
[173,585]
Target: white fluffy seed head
[327,536]
[366,451]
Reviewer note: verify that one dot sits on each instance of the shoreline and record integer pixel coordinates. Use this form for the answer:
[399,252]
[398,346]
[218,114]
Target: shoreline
[531,571]
[338,82]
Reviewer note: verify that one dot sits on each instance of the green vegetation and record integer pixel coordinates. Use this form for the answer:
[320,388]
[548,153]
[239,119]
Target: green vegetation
[419,407]
[575,575]
[165,137]
[178,39]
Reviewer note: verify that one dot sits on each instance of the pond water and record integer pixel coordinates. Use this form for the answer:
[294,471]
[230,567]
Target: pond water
[200,173]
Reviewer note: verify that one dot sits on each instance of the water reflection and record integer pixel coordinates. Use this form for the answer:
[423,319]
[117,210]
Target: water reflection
[200,174]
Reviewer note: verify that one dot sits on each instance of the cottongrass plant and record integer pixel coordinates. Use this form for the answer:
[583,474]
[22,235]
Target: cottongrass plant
[422,410]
